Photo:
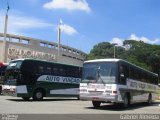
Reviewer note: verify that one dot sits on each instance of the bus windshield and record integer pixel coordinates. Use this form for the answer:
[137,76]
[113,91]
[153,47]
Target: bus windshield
[102,72]
[11,77]
[12,72]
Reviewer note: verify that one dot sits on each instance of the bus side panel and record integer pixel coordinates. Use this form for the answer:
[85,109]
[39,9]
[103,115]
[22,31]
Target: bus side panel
[139,91]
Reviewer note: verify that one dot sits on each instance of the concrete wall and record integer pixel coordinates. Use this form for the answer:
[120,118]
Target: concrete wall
[1,51]
[24,47]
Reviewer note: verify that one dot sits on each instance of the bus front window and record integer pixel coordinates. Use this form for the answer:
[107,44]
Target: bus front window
[12,72]
[99,72]
[11,77]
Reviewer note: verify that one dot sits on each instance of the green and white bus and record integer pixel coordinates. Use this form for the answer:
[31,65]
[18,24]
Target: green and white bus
[28,78]
[117,81]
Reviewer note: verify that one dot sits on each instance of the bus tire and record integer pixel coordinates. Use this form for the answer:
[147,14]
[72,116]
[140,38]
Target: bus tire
[78,97]
[26,98]
[38,95]
[149,99]
[96,104]
[126,102]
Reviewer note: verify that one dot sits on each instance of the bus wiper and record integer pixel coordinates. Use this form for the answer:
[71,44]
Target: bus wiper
[99,76]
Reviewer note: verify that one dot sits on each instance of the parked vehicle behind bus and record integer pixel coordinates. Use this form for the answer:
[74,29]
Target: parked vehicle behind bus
[117,81]
[2,69]
[28,78]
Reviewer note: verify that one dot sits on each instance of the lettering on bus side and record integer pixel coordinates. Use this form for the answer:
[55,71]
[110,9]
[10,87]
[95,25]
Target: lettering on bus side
[59,79]
[133,84]
[141,86]
[70,80]
[53,78]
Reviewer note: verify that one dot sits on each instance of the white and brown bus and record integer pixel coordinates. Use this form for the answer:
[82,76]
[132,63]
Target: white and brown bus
[117,81]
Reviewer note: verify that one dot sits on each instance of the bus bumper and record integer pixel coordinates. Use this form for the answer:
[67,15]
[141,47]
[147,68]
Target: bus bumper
[7,92]
[104,98]
[17,91]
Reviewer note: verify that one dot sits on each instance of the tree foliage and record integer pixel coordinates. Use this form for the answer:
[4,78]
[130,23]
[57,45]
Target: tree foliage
[137,52]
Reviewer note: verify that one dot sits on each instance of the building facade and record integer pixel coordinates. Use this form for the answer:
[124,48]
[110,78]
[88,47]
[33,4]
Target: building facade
[17,47]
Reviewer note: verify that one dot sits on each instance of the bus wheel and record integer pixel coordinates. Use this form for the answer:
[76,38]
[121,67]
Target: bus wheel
[38,95]
[78,98]
[150,99]
[96,104]
[26,98]
[126,102]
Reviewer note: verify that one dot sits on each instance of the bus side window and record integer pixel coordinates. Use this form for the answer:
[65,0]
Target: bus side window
[62,72]
[70,72]
[55,71]
[40,69]
[76,73]
[123,74]
[48,70]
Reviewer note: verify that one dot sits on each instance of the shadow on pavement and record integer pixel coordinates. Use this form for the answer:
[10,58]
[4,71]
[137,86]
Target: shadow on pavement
[45,100]
[118,107]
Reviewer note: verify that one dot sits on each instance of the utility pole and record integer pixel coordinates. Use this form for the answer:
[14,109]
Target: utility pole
[59,38]
[114,45]
[5,34]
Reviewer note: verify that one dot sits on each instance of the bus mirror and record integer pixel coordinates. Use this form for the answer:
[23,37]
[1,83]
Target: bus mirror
[2,73]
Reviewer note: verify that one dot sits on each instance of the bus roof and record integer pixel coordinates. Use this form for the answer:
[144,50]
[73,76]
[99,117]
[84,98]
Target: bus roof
[43,61]
[117,60]
[103,60]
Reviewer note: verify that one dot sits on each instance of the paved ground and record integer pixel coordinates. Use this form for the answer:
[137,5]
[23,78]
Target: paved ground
[69,106]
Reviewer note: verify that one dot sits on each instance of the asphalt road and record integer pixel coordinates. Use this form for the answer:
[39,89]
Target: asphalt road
[14,105]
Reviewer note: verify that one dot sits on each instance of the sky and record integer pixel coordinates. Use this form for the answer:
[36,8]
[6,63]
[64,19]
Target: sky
[84,23]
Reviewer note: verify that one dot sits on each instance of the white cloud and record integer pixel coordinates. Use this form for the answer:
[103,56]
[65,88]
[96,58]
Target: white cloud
[68,29]
[118,41]
[68,5]
[17,23]
[144,39]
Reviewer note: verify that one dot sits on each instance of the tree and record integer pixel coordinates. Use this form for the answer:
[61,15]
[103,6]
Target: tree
[142,54]
[105,50]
